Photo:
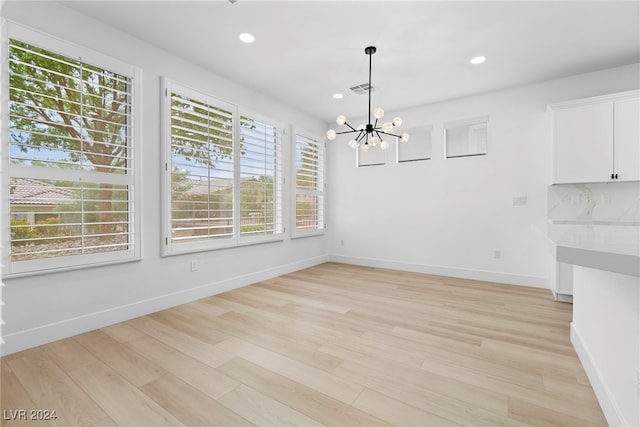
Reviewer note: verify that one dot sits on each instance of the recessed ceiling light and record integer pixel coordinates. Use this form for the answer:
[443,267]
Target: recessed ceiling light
[337,96]
[478,60]
[246,37]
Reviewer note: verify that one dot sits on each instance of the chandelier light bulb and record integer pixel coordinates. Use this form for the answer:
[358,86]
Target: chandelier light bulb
[404,137]
[365,147]
[374,141]
[397,121]
[378,113]
[353,144]
[331,134]
[387,127]
[341,120]
[384,145]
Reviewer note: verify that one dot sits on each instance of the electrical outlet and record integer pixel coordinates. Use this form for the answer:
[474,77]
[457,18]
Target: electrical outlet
[341,242]
[194,265]
[496,254]
[520,201]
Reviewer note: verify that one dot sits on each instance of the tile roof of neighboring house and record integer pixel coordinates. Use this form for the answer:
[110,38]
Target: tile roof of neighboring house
[33,192]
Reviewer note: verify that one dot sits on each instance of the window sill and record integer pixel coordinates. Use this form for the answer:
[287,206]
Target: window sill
[207,247]
[302,235]
[51,270]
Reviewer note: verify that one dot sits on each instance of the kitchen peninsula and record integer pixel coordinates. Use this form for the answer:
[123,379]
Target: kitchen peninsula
[605,331]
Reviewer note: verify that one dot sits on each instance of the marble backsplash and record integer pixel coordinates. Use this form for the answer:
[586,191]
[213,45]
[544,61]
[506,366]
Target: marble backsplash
[615,203]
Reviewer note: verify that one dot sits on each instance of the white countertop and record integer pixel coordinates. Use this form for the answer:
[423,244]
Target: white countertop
[612,247]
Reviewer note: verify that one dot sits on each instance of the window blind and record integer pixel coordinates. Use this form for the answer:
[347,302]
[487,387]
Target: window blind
[202,171]
[466,137]
[260,177]
[226,174]
[419,148]
[309,163]
[71,158]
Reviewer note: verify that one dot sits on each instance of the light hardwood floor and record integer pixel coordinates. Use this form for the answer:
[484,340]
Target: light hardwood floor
[334,345]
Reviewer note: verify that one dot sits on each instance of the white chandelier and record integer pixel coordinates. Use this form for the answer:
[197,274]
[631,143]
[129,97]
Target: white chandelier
[370,135]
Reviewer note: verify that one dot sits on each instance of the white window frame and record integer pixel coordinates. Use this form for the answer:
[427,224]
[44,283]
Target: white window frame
[374,157]
[132,179]
[421,139]
[169,247]
[474,146]
[320,191]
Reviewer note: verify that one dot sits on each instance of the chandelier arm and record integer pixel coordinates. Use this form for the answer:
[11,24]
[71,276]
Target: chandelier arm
[352,128]
[359,138]
[390,134]
[347,131]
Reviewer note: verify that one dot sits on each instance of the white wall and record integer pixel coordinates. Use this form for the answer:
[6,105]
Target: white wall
[44,308]
[606,334]
[449,216]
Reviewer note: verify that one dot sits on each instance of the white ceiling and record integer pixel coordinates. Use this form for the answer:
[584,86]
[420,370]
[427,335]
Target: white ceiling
[307,50]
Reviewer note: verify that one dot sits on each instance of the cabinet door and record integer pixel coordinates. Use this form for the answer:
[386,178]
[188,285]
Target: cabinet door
[584,143]
[627,139]
[564,278]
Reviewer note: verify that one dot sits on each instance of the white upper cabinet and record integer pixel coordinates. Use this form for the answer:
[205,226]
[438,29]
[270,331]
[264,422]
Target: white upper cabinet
[627,139]
[584,143]
[597,139]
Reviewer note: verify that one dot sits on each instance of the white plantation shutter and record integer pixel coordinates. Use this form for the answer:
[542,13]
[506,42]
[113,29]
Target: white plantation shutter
[309,185]
[92,132]
[223,174]
[260,177]
[201,167]
[71,154]
[53,218]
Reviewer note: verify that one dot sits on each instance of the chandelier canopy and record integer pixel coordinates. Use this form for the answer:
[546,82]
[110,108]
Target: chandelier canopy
[369,135]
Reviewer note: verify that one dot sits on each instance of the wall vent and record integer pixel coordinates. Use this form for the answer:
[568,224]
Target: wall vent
[362,88]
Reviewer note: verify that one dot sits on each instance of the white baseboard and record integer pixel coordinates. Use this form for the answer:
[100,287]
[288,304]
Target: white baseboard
[22,340]
[45,334]
[608,404]
[463,273]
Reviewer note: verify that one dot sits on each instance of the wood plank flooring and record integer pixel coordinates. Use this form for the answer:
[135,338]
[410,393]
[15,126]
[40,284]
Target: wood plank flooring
[334,345]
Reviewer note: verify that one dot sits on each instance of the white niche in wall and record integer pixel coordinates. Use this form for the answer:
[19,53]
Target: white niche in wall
[374,157]
[467,137]
[418,147]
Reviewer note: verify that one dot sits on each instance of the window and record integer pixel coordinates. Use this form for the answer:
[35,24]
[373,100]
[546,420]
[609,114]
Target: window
[374,157]
[419,148]
[71,156]
[466,137]
[201,170]
[260,178]
[224,174]
[309,186]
